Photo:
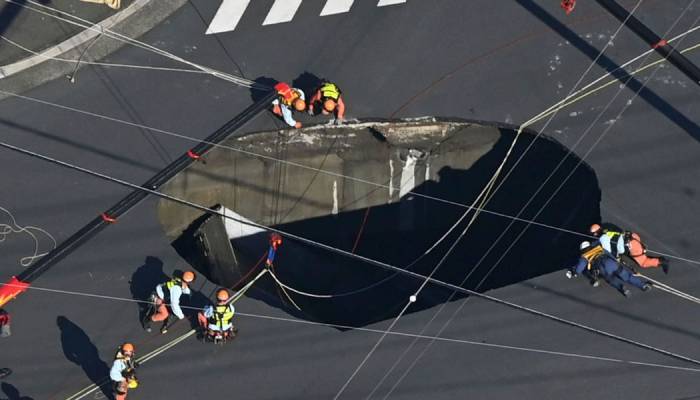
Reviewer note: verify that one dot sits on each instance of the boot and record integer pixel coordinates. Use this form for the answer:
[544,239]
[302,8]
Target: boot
[664,264]
[647,287]
[625,292]
[147,324]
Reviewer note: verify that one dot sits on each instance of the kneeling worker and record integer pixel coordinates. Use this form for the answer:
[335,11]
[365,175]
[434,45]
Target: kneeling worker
[330,99]
[170,293]
[217,319]
[288,98]
[123,372]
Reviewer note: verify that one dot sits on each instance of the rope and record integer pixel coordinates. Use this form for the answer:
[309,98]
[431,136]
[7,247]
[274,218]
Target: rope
[668,289]
[364,329]
[351,178]
[354,256]
[541,209]
[85,24]
[13,227]
[162,349]
[101,64]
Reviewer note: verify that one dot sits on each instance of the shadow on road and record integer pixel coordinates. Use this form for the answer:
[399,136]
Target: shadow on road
[79,349]
[608,64]
[12,393]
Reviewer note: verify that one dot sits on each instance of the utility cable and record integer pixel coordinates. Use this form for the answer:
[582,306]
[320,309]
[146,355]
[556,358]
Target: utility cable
[358,257]
[552,196]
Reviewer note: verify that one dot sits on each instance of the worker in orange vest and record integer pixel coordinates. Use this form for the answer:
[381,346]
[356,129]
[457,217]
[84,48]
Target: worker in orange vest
[288,98]
[618,242]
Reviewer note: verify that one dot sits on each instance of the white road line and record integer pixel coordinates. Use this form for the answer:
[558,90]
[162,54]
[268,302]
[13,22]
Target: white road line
[228,16]
[336,7]
[282,11]
[383,3]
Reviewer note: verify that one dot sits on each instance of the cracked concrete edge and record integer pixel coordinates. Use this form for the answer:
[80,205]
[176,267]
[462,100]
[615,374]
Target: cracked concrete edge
[135,20]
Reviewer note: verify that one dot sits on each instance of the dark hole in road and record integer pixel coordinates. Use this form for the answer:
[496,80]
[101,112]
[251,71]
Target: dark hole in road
[451,163]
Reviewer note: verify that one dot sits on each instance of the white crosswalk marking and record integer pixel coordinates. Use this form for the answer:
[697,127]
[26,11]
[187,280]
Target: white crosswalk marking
[228,15]
[282,11]
[383,3]
[336,7]
[230,12]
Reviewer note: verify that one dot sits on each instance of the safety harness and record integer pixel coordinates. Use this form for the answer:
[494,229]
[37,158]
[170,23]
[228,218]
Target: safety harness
[223,314]
[591,254]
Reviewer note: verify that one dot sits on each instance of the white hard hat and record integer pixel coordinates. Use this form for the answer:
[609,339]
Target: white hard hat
[585,244]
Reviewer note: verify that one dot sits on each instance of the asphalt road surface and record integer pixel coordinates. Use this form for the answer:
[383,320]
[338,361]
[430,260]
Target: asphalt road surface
[500,61]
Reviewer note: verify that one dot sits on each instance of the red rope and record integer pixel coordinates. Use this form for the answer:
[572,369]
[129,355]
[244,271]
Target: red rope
[362,228]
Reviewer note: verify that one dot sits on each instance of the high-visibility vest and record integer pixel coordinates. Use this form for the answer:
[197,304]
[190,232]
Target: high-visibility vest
[287,94]
[168,285]
[223,314]
[130,367]
[591,254]
[330,91]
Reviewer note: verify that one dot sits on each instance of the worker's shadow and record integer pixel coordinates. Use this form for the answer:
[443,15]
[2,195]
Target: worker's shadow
[257,94]
[12,393]
[79,349]
[143,282]
[307,82]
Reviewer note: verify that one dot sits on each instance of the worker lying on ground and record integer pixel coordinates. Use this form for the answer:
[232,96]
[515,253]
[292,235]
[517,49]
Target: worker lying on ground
[619,242]
[595,262]
[288,98]
[123,372]
[169,293]
[328,96]
[216,319]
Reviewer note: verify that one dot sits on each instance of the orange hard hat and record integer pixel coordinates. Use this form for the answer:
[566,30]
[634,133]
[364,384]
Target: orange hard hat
[128,347]
[329,105]
[188,276]
[595,228]
[275,238]
[299,104]
[222,295]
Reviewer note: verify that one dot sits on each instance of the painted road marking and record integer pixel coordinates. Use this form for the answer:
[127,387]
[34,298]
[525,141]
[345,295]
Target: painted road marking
[336,7]
[383,3]
[228,16]
[282,11]
[230,12]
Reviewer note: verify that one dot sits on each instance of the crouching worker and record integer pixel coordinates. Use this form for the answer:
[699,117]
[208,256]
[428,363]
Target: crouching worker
[625,243]
[169,293]
[288,99]
[329,97]
[596,262]
[123,372]
[216,319]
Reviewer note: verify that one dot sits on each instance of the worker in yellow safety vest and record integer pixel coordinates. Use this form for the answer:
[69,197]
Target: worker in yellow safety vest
[329,97]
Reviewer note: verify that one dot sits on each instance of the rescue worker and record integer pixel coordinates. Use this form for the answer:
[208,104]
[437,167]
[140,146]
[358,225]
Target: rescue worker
[275,242]
[169,293]
[595,261]
[216,319]
[123,371]
[618,242]
[288,98]
[328,96]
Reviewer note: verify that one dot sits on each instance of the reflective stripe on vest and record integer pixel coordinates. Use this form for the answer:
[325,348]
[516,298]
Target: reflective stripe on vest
[168,285]
[591,254]
[223,314]
[287,95]
[330,91]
